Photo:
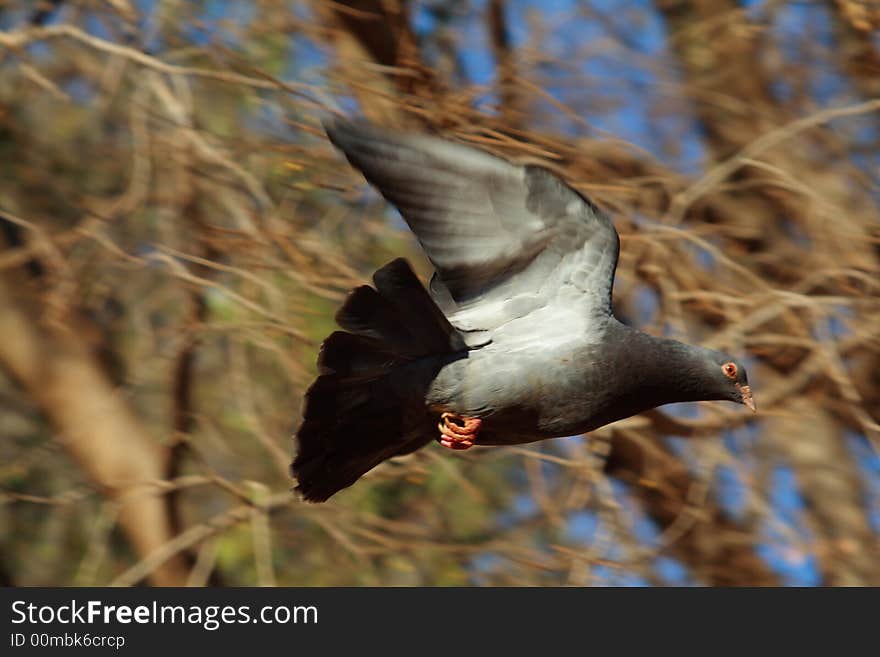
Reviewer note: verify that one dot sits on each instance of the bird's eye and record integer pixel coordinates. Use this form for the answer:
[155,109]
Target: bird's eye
[729,370]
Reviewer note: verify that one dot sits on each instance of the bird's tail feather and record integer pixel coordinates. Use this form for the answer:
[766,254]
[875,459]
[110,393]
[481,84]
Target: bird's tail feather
[364,407]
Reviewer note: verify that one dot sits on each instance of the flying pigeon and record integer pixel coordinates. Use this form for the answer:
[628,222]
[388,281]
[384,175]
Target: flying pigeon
[513,341]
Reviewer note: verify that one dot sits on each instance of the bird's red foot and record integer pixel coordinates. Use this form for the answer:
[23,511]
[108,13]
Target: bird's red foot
[457,432]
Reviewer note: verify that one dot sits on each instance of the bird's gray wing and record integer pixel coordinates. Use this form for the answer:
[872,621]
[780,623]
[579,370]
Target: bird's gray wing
[503,238]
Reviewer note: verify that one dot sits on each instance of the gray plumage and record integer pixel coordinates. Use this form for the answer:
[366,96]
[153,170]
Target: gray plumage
[517,328]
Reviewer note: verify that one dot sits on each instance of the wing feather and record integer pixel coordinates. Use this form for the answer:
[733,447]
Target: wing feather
[495,232]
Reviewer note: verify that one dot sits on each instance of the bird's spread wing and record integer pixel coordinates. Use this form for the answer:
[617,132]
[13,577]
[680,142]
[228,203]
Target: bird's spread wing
[503,238]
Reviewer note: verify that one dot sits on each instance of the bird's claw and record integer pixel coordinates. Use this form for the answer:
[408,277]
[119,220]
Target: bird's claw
[457,432]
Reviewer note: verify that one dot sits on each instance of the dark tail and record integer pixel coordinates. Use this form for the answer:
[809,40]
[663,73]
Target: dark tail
[367,404]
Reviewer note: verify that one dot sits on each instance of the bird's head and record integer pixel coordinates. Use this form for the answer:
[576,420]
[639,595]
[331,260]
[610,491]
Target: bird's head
[658,371]
[726,378]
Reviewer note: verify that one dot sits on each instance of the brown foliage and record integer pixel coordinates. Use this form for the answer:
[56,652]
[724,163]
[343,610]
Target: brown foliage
[172,257]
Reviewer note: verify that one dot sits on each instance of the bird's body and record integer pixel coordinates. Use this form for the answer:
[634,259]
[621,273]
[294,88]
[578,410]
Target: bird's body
[515,338]
[566,386]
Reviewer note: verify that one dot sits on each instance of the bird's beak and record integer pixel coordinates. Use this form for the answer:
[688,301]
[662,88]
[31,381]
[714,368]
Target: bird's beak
[747,399]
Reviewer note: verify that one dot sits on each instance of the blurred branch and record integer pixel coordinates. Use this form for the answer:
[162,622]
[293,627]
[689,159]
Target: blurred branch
[857,52]
[720,551]
[44,9]
[505,63]
[810,439]
[96,425]
[370,32]
[18,39]
[171,551]
[760,145]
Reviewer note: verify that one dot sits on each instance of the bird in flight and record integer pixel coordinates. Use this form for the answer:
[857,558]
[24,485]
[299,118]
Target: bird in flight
[514,339]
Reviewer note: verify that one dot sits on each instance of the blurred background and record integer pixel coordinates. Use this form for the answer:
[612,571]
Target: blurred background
[176,234]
